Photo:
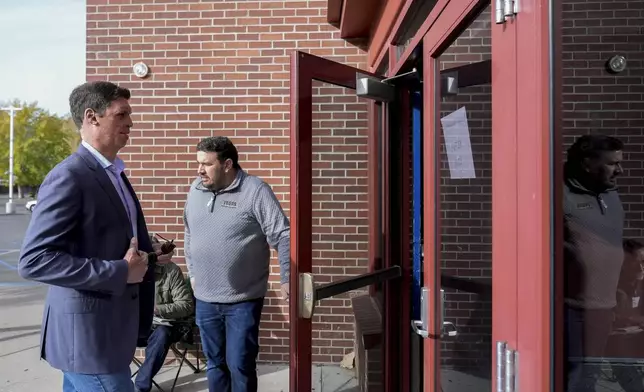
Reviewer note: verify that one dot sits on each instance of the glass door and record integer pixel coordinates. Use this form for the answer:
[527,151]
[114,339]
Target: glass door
[469,288]
[345,273]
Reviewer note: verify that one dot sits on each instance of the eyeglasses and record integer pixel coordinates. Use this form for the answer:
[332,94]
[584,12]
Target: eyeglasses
[168,246]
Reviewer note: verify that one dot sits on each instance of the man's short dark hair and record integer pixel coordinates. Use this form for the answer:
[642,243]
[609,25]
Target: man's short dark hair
[631,246]
[221,145]
[96,96]
[592,146]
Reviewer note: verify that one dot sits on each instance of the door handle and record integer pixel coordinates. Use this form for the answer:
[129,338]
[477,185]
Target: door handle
[417,326]
[306,295]
[449,329]
[421,327]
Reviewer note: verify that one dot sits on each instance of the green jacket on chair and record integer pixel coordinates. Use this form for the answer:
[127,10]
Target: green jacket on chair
[173,295]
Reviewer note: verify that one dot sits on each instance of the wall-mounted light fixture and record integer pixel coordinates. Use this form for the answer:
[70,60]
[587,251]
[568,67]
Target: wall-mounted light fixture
[616,64]
[140,69]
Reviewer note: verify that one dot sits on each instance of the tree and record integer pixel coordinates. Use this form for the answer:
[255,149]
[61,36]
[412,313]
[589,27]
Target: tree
[41,141]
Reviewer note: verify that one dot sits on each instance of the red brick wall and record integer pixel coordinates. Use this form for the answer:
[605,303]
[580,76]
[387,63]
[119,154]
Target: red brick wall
[466,205]
[340,220]
[221,68]
[596,101]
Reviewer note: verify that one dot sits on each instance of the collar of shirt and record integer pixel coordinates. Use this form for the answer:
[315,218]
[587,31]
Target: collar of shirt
[118,163]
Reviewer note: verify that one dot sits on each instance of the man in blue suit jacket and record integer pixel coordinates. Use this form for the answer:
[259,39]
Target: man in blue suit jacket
[88,241]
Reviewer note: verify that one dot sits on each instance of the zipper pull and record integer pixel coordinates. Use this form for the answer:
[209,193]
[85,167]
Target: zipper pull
[603,203]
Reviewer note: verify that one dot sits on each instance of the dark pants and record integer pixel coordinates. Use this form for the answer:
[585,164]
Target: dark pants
[586,334]
[159,343]
[230,339]
[628,346]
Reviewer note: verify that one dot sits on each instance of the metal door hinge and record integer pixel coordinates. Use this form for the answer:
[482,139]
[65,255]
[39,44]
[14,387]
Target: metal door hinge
[449,84]
[505,9]
[507,368]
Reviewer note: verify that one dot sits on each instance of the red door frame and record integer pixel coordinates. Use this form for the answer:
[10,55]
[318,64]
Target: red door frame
[304,69]
[538,94]
[523,99]
[301,205]
[527,181]
[446,22]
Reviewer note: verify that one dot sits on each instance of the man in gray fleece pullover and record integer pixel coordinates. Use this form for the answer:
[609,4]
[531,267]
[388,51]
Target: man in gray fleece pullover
[593,252]
[231,218]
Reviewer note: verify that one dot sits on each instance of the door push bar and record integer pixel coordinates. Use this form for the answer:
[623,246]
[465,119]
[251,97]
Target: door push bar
[310,293]
[421,327]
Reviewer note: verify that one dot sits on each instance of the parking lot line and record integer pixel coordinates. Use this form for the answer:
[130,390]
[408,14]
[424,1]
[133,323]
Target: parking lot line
[8,251]
[19,284]
[10,266]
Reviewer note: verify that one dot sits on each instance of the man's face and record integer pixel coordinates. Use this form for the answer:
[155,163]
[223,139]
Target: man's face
[633,263]
[212,171]
[639,257]
[605,168]
[110,132]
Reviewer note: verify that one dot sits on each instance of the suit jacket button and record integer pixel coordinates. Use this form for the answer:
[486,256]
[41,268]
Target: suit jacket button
[135,296]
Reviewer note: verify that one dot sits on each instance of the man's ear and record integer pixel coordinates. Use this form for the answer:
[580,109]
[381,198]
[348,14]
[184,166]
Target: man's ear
[90,116]
[228,164]
[587,164]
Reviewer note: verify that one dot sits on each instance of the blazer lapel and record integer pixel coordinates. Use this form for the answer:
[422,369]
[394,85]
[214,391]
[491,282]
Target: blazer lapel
[108,187]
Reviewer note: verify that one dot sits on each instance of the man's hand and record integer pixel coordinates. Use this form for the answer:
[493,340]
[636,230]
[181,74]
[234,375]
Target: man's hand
[192,283]
[285,292]
[137,262]
[161,258]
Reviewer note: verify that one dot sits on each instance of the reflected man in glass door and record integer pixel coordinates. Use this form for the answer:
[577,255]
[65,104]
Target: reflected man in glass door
[627,337]
[593,253]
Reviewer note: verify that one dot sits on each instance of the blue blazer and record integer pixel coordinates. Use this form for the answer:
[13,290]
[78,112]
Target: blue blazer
[77,237]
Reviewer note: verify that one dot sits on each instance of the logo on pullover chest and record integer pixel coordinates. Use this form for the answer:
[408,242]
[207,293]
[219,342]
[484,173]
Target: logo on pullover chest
[229,204]
[584,206]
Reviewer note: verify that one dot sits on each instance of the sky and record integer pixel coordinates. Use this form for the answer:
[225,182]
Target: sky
[42,52]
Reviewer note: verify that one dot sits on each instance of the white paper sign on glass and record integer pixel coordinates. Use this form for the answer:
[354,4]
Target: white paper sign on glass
[457,144]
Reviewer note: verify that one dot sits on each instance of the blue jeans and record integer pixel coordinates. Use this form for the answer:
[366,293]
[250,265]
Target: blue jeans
[114,382]
[230,339]
[586,334]
[155,352]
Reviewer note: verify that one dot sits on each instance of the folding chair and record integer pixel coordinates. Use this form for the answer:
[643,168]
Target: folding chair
[138,364]
[180,349]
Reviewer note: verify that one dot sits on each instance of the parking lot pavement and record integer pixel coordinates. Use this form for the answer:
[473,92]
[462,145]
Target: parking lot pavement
[21,305]
[12,231]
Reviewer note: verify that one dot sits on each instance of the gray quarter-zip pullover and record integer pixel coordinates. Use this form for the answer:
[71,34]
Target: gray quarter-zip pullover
[593,252]
[227,238]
